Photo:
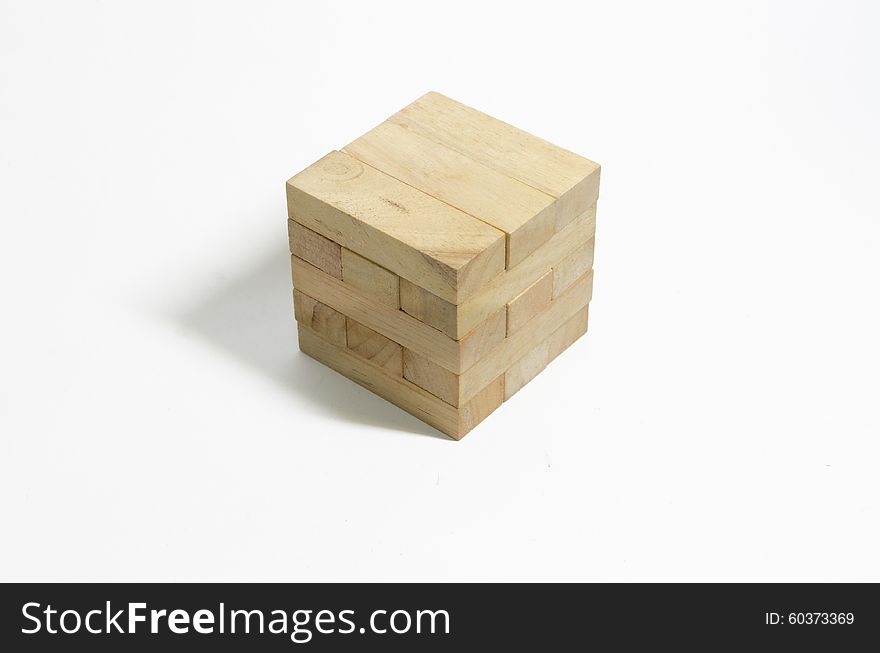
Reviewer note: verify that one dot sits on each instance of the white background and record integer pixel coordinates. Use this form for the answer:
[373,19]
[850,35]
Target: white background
[718,422]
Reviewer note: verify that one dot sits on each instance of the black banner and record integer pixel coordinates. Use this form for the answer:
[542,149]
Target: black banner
[322,617]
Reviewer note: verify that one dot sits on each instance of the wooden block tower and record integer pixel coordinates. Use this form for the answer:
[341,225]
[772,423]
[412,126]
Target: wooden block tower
[442,259]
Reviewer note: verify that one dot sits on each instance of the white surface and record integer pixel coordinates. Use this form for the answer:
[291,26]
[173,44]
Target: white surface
[719,421]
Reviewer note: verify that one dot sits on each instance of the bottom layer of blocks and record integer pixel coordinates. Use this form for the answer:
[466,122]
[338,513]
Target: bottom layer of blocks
[420,386]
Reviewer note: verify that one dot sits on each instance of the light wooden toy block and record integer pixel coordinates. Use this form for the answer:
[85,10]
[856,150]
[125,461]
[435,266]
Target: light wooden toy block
[443,259]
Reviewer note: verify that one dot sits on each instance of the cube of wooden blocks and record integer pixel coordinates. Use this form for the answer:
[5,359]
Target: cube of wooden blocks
[443,259]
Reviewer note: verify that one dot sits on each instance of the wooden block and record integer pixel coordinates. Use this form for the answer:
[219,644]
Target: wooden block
[322,319]
[371,279]
[321,252]
[455,422]
[374,347]
[481,405]
[525,369]
[513,348]
[564,337]
[428,375]
[455,356]
[429,308]
[569,269]
[531,301]
[524,213]
[404,230]
[570,178]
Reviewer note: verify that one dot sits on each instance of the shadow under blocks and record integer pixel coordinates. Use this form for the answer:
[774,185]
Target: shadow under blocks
[250,317]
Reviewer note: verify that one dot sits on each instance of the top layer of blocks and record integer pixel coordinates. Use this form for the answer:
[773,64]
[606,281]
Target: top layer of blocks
[444,196]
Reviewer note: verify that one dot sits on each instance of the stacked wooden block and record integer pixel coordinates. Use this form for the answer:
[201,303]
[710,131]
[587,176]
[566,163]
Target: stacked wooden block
[443,259]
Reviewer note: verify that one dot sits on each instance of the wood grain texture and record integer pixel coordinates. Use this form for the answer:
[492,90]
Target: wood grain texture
[455,422]
[568,333]
[524,213]
[454,355]
[404,230]
[513,348]
[534,362]
[525,369]
[404,329]
[500,290]
[322,319]
[310,246]
[571,179]
[371,279]
[427,307]
[483,339]
[447,386]
[429,376]
[374,347]
[457,321]
[481,405]
[569,269]
[531,301]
